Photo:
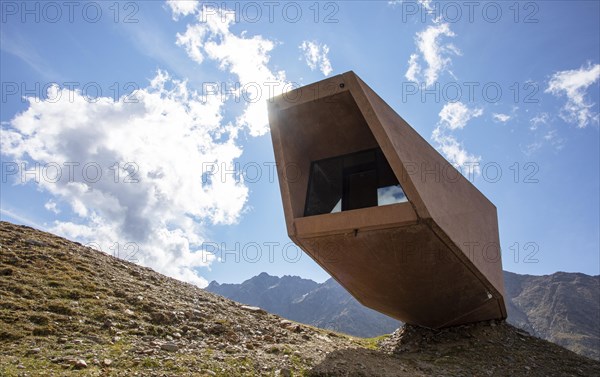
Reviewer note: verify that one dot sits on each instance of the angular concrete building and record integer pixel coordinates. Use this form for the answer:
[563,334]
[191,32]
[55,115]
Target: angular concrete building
[381,210]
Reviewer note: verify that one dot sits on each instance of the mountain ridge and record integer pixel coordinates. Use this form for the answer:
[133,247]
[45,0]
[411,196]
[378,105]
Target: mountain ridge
[574,297]
[305,303]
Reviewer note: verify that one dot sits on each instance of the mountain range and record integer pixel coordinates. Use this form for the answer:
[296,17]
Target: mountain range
[563,308]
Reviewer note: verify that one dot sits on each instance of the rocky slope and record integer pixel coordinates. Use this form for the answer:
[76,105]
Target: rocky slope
[481,349]
[66,308]
[563,308]
[69,310]
[327,305]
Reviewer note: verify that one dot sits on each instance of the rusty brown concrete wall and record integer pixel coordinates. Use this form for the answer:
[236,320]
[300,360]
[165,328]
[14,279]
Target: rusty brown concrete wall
[458,208]
[447,218]
[312,132]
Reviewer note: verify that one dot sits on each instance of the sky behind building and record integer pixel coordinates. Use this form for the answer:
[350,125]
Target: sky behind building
[141,127]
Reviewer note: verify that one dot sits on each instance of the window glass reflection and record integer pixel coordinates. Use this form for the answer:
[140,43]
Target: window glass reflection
[358,180]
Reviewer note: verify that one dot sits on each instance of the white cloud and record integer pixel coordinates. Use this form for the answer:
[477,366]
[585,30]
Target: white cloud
[554,139]
[162,141]
[544,134]
[550,135]
[455,115]
[455,152]
[414,69]
[192,40]
[426,4]
[315,55]
[435,54]
[532,148]
[183,7]
[549,138]
[502,118]
[573,84]
[241,55]
[538,120]
[51,206]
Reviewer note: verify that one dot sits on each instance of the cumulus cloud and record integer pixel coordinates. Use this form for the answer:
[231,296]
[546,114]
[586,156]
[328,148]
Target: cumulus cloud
[455,116]
[455,152]
[132,173]
[183,7]
[431,51]
[573,84]
[315,55]
[51,206]
[245,57]
[502,118]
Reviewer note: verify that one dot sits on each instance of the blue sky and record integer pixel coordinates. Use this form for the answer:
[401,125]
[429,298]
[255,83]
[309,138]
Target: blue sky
[131,102]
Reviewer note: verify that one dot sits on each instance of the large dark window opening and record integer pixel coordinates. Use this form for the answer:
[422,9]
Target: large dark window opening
[358,180]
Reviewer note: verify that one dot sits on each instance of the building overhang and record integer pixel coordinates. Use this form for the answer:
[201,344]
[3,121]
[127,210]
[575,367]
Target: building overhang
[433,260]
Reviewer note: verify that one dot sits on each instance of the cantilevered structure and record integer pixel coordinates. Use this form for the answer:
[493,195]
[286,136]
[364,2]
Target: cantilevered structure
[381,210]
